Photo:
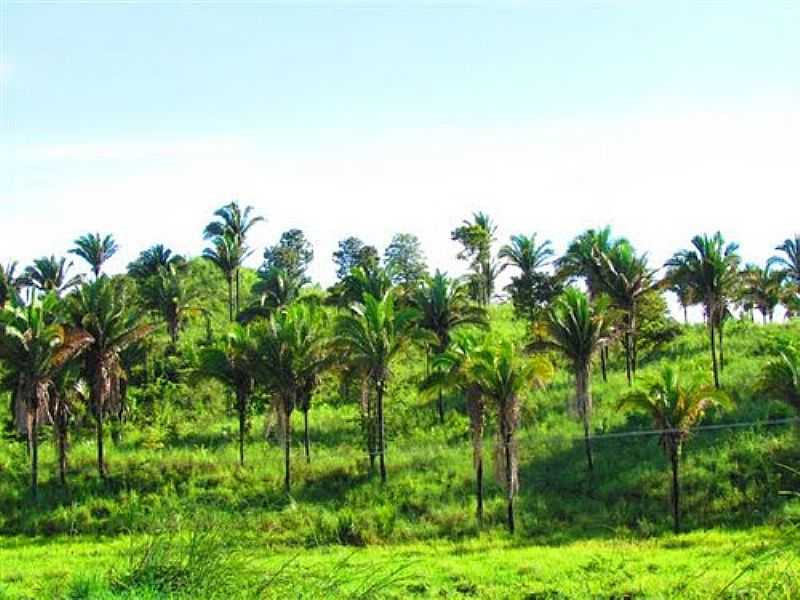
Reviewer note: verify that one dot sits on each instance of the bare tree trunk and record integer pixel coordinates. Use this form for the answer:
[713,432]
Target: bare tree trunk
[634,357]
[287,447]
[381,430]
[306,440]
[509,476]
[33,435]
[230,299]
[241,405]
[366,402]
[603,366]
[628,357]
[63,442]
[101,465]
[685,315]
[721,347]
[713,352]
[676,515]
[582,385]
[440,404]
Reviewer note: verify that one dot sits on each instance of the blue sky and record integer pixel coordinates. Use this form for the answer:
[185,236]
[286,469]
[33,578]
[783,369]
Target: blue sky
[368,118]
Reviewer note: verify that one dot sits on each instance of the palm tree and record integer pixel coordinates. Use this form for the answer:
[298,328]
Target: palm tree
[232,363]
[790,261]
[233,223]
[711,270]
[781,376]
[677,282]
[529,257]
[170,295]
[625,277]
[35,346]
[10,284]
[69,389]
[451,370]
[152,260]
[502,374]
[50,274]
[674,408]
[101,308]
[371,336]
[228,257]
[444,305]
[763,288]
[95,250]
[477,237]
[578,329]
[292,352]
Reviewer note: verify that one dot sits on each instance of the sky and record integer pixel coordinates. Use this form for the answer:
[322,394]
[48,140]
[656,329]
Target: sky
[661,119]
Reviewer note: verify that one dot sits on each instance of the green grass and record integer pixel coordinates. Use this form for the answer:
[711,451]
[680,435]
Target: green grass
[342,534]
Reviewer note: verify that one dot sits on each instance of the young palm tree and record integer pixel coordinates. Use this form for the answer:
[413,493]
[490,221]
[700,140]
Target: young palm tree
[68,389]
[444,305]
[50,274]
[234,223]
[674,408]
[35,346]
[625,277]
[371,336]
[711,270]
[790,261]
[781,377]
[233,362]
[95,250]
[502,374]
[451,371]
[152,260]
[227,255]
[292,352]
[578,329]
[101,308]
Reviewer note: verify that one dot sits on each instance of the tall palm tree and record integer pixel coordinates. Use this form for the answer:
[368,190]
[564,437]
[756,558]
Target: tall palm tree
[233,362]
[36,345]
[95,250]
[444,305]
[502,374]
[101,308]
[451,370]
[10,284]
[292,352]
[625,277]
[152,260]
[674,408]
[227,255]
[711,269]
[476,237]
[578,329]
[234,223]
[370,336]
[790,261]
[50,274]
[529,257]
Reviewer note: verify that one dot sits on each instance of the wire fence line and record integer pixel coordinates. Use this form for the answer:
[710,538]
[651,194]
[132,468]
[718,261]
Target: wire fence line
[562,438]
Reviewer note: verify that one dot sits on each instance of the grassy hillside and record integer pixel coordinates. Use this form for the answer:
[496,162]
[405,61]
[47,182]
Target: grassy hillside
[179,516]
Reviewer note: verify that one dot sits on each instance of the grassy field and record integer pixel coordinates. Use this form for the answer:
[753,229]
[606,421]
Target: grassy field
[179,518]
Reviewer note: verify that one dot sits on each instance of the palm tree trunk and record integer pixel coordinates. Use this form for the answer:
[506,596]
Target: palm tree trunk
[369,424]
[508,475]
[685,315]
[603,366]
[306,440]
[583,391]
[33,435]
[287,447]
[676,515]
[63,441]
[230,299]
[628,357]
[101,465]
[242,408]
[440,404]
[238,287]
[721,347]
[713,352]
[381,440]
[479,489]
[634,358]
